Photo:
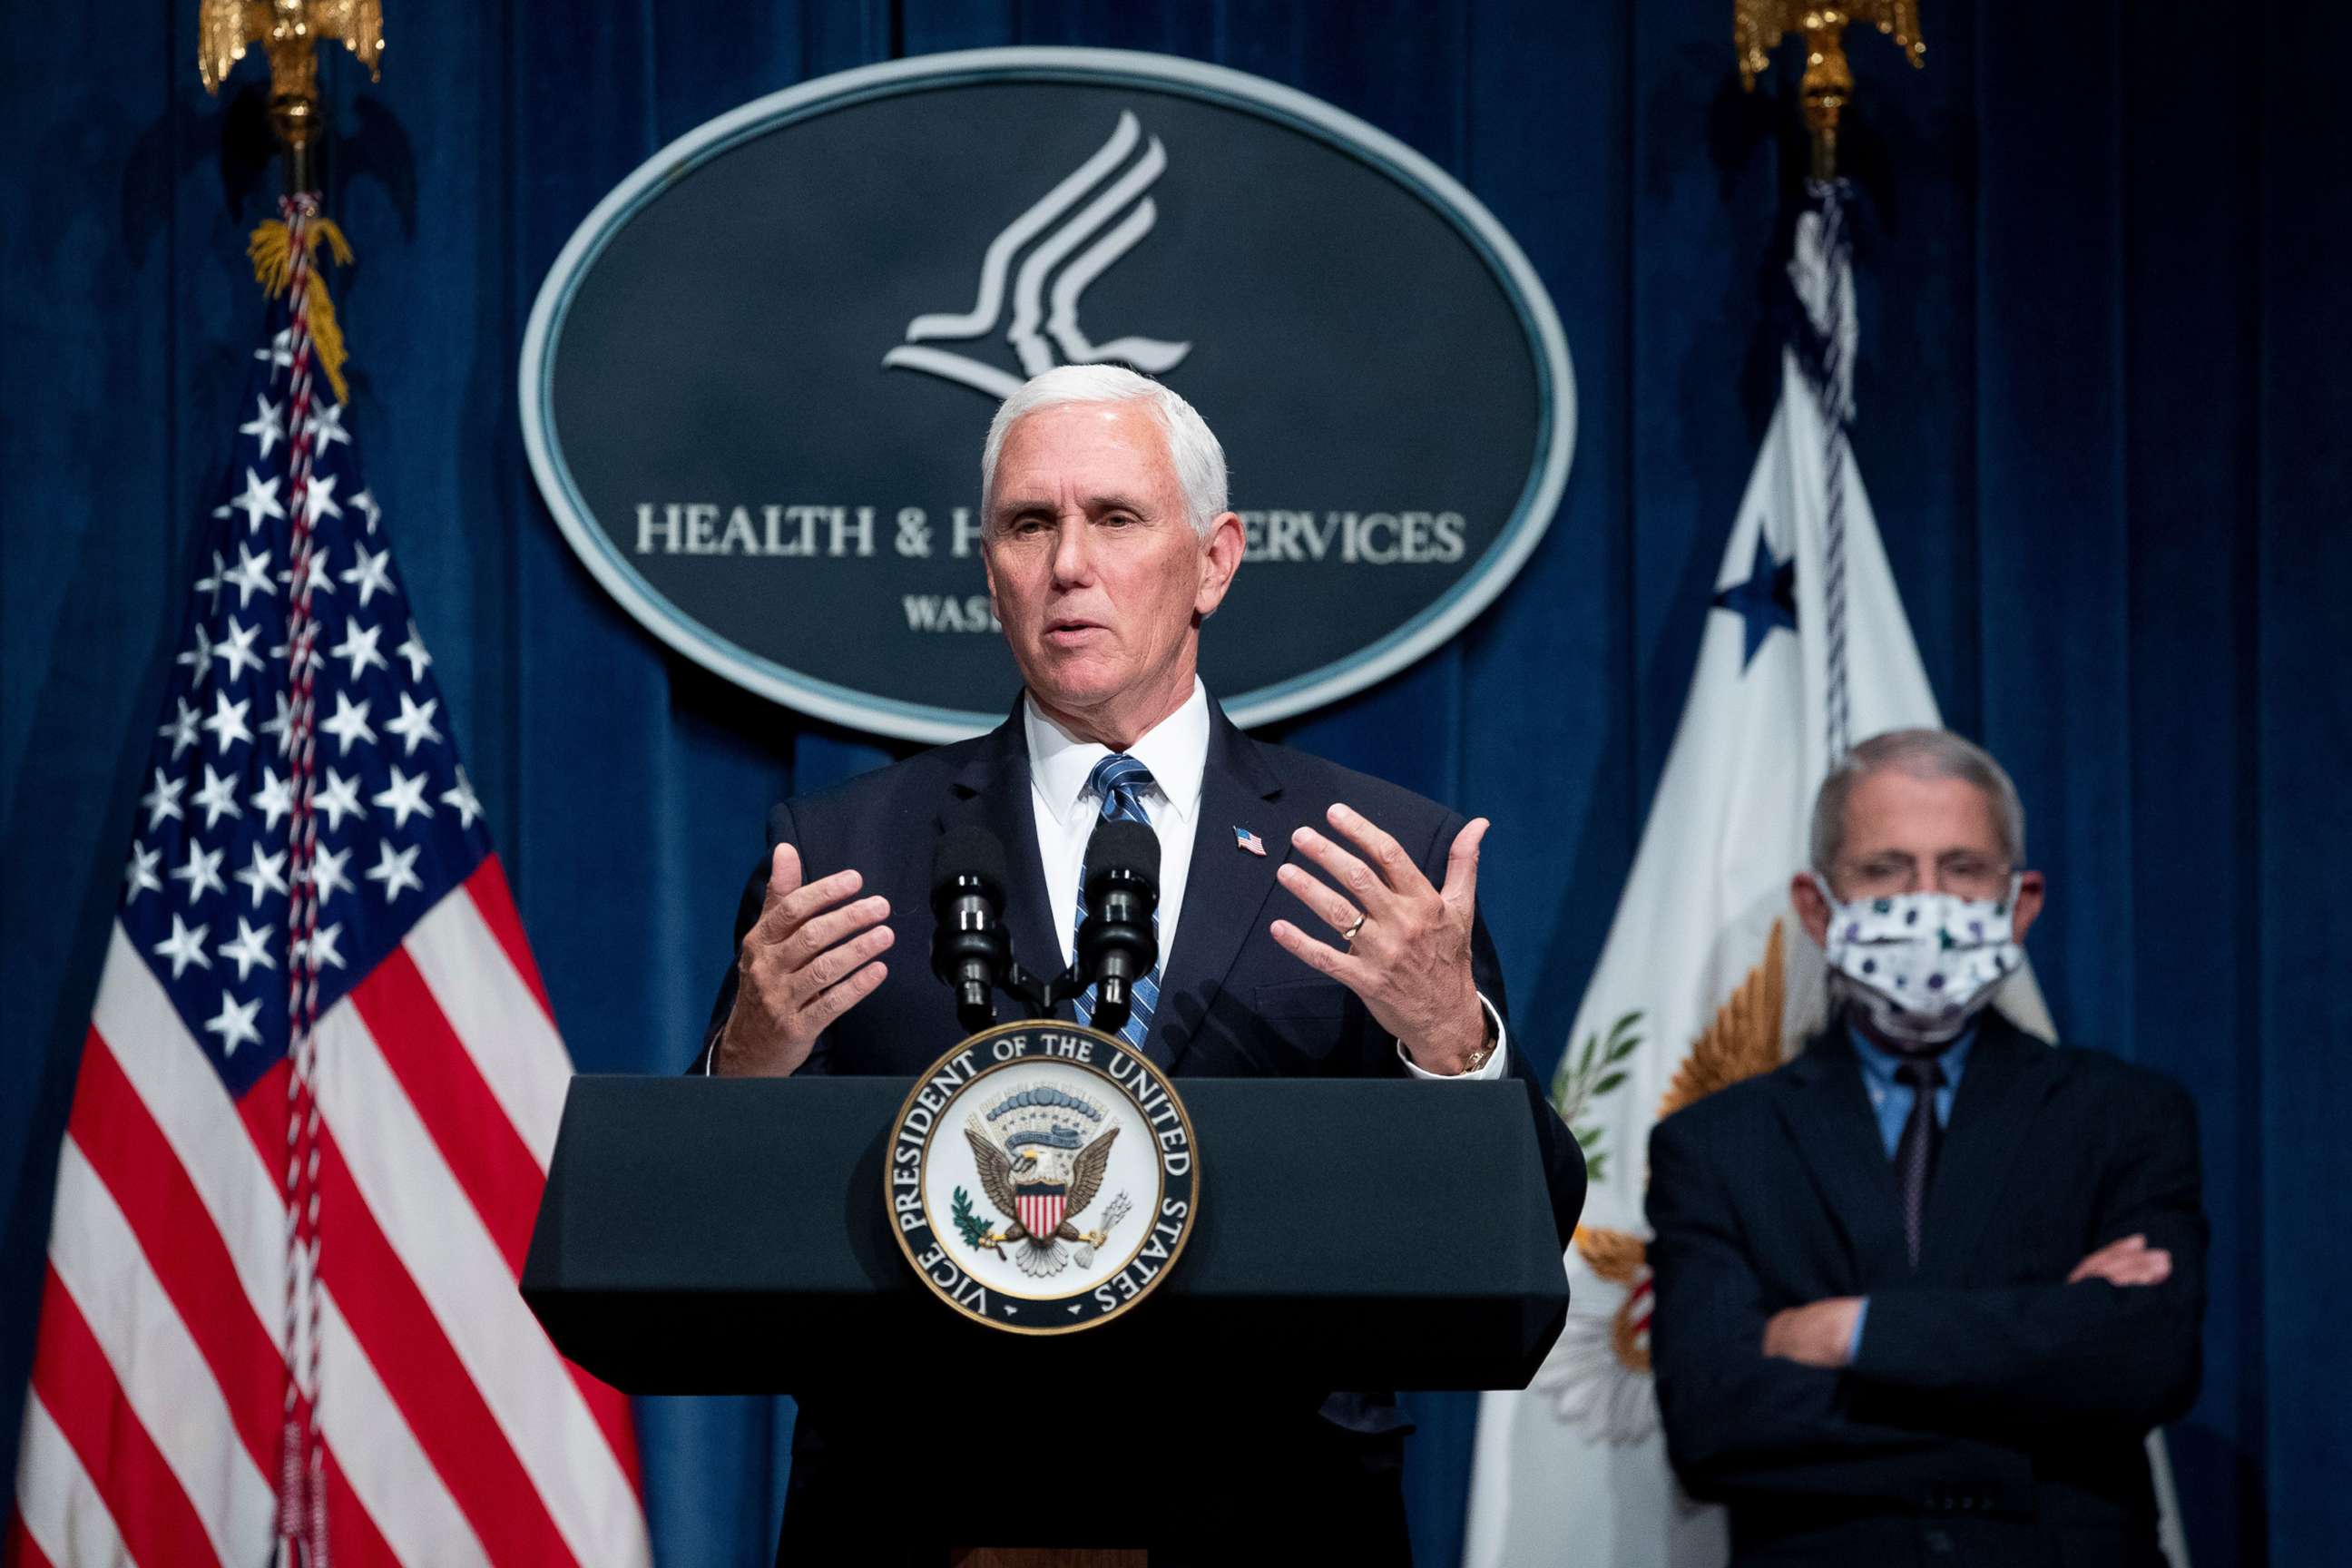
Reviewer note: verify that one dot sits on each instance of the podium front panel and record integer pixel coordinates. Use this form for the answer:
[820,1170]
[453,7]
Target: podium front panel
[703,1235]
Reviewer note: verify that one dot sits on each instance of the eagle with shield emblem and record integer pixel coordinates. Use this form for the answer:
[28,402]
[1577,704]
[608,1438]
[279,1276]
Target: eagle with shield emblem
[1042,1154]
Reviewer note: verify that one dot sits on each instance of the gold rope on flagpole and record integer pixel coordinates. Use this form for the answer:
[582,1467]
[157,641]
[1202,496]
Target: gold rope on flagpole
[272,253]
[1758,26]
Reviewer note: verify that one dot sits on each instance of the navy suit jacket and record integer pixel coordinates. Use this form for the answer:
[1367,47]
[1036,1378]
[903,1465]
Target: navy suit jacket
[1994,1412]
[1233,1004]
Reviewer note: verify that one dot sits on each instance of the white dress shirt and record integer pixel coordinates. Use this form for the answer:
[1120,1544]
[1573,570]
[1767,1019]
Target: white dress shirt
[1176,750]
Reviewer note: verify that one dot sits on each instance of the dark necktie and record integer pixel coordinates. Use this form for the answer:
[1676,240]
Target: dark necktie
[1915,1156]
[1121,778]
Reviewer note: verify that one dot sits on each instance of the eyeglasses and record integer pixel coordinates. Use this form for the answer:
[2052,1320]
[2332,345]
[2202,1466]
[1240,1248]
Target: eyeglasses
[1962,873]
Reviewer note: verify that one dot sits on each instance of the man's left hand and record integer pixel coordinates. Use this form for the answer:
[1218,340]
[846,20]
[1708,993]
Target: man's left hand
[2127,1262]
[1816,1334]
[1409,956]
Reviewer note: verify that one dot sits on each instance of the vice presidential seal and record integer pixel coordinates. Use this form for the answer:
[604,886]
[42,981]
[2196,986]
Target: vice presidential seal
[1042,1177]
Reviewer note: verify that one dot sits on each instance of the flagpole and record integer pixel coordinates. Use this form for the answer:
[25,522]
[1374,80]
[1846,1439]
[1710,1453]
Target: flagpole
[294,111]
[284,261]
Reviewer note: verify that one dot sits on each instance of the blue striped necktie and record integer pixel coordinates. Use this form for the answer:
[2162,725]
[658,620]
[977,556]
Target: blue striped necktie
[1121,780]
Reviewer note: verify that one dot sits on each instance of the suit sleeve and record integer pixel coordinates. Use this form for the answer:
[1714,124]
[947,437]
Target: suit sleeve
[2092,1350]
[1742,1426]
[782,829]
[747,911]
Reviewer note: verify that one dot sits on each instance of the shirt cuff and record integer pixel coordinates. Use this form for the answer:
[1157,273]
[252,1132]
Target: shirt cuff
[1854,1344]
[1492,1068]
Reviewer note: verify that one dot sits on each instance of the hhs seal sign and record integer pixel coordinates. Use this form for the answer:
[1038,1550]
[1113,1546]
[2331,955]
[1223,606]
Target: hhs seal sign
[755,382]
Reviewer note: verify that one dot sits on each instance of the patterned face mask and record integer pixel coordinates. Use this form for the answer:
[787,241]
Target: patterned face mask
[1920,965]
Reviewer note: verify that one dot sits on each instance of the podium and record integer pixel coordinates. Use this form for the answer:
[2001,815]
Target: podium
[703,1235]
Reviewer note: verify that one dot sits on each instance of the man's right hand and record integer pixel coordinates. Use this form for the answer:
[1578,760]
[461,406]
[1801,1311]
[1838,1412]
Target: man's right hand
[804,964]
[2128,1261]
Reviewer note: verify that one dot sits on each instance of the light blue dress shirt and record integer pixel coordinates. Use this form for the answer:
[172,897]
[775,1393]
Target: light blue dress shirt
[1891,1101]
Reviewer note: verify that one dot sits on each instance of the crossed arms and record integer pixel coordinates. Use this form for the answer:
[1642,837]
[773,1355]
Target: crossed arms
[1762,1402]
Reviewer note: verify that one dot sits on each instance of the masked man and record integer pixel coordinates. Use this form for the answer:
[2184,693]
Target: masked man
[1313,921]
[1922,1292]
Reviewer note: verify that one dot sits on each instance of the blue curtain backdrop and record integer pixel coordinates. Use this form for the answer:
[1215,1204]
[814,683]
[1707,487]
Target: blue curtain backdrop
[2105,263]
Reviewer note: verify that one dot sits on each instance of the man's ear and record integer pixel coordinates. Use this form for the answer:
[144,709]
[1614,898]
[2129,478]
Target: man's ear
[1813,908]
[2032,892]
[1221,556]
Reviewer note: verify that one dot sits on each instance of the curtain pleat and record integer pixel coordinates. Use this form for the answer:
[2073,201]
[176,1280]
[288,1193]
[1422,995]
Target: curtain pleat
[2104,259]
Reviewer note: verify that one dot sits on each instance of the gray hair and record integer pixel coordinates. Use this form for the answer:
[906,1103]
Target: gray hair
[1923,754]
[1192,449]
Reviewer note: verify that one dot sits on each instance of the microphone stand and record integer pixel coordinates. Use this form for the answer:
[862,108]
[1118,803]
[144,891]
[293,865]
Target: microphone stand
[1040,994]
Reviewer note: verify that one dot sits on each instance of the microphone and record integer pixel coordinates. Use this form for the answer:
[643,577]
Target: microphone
[1117,944]
[970,947]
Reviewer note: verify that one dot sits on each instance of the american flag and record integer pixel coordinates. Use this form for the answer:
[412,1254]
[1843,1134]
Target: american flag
[265,1330]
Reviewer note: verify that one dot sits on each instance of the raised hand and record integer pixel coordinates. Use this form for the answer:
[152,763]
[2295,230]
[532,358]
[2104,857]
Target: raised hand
[1404,945]
[808,959]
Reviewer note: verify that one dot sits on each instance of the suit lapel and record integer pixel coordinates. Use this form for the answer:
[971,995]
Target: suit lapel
[2000,1093]
[1224,890]
[993,790]
[1828,1114]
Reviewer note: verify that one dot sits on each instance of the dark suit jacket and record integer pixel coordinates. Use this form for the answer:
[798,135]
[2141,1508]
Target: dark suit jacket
[1232,1002]
[1995,1412]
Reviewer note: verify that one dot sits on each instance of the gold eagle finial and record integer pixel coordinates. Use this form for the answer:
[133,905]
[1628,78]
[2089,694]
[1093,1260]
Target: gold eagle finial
[1758,26]
[287,30]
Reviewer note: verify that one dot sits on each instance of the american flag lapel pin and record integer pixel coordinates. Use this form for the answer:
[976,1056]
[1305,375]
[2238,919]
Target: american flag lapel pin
[1245,839]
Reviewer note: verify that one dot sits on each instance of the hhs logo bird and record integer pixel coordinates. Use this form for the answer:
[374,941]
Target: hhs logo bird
[1068,246]
[1042,1155]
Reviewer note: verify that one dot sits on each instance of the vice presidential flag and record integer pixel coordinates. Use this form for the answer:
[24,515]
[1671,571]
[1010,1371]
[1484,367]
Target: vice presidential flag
[316,1099]
[1705,977]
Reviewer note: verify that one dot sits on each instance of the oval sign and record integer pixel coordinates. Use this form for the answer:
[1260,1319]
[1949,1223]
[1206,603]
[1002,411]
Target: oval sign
[755,383]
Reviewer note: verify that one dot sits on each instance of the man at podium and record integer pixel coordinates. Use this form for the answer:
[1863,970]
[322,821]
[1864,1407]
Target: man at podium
[1312,922]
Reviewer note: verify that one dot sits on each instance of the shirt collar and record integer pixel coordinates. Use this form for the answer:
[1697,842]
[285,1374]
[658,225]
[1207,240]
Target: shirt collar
[1176,750]
[1878,1063]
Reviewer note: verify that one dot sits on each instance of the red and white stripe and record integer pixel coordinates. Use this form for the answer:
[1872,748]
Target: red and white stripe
[453,1433]
[1041,1213]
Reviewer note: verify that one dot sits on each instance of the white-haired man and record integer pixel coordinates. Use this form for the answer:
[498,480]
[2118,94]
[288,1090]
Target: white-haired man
[1108,545]
[1921,1293]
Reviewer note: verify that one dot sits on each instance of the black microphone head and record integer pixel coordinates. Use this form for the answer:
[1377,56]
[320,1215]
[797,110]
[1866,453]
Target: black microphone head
[969,949]
[1124,846]
[966,850]
[1117,941]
